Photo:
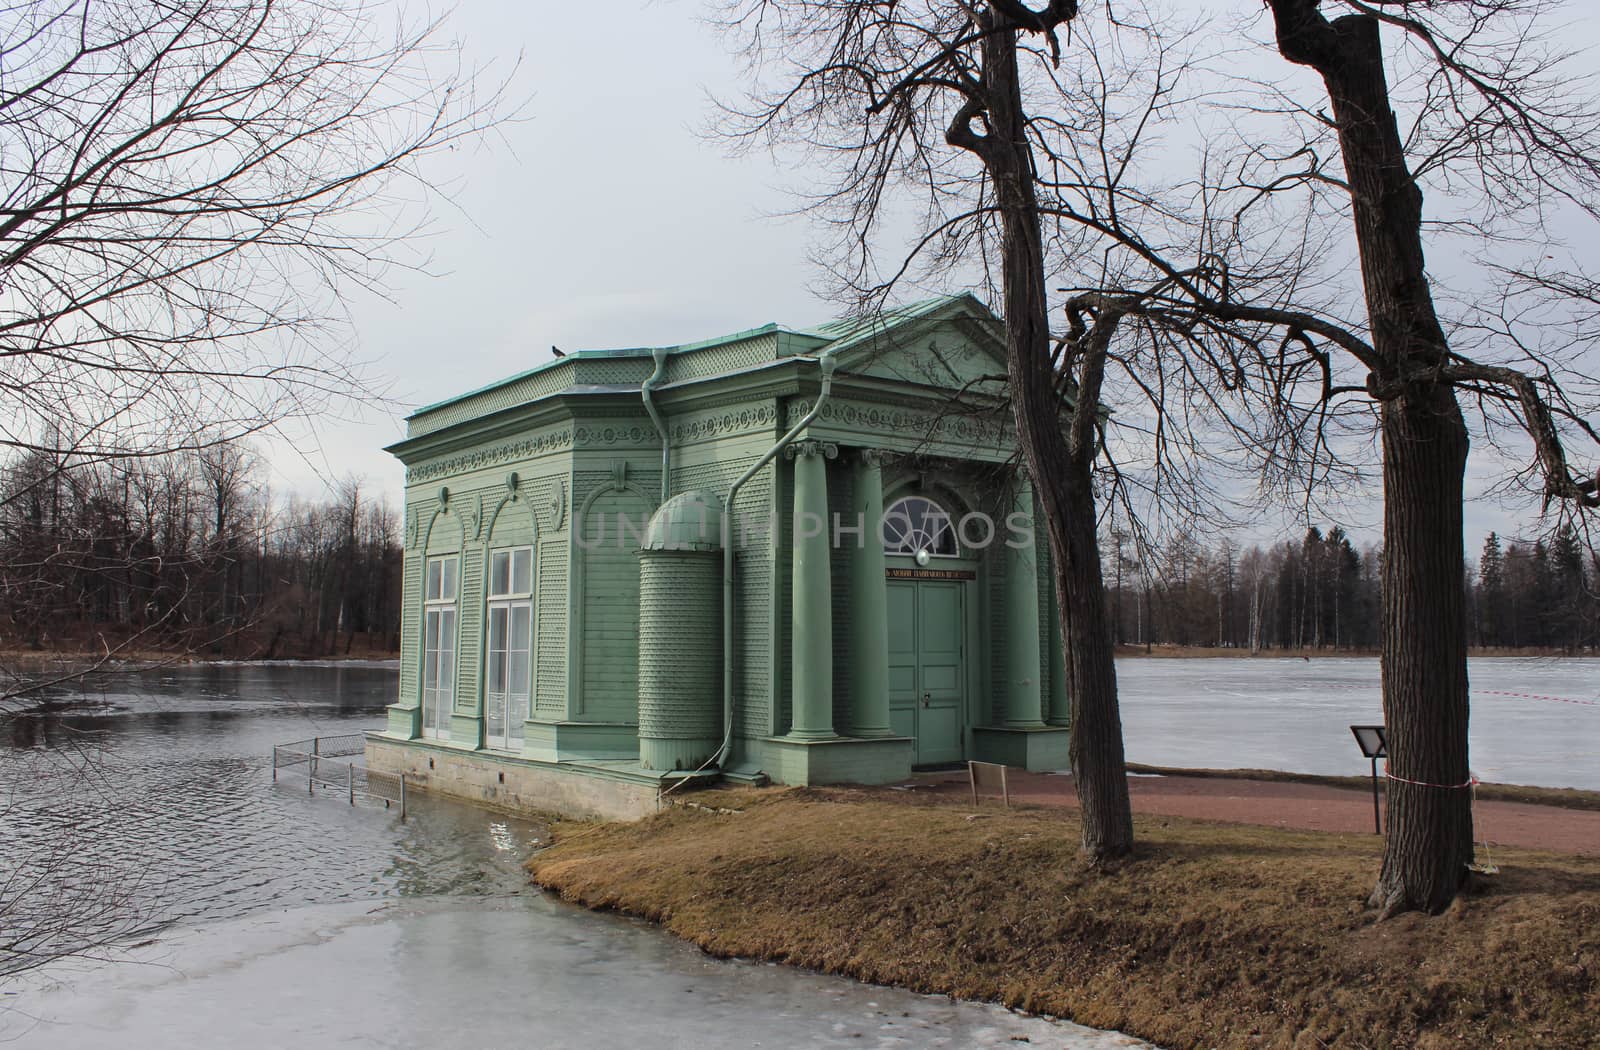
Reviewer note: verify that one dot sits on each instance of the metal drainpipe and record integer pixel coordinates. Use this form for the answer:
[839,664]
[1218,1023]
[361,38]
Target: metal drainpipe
[645,390]
[826,362]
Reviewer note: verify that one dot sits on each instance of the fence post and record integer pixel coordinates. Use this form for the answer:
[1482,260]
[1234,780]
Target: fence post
[274,764]
[402,796]
[351,769]
[311,771]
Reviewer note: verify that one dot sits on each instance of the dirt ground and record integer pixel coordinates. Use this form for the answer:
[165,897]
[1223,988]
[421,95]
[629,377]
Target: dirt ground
[1308,807]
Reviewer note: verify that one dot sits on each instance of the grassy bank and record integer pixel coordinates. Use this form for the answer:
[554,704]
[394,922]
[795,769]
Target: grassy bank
[1212,936]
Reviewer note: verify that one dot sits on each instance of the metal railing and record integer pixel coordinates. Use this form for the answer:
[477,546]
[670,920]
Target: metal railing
[328,761]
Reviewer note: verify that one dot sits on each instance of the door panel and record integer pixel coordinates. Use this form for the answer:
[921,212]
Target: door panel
[926,691]
[903,657]
[939,623]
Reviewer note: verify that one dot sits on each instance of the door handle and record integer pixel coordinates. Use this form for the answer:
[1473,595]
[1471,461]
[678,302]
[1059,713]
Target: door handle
[926,697]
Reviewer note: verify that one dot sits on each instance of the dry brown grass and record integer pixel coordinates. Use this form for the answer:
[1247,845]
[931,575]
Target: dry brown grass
[1212,936]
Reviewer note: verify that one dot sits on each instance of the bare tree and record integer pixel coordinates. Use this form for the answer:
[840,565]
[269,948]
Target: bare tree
[186,190]
[883,90]
[1489,112]
[1219,295]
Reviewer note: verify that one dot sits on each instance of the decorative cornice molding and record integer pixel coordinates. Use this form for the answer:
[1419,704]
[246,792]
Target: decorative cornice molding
[592,436]
[479,458]
[707,425]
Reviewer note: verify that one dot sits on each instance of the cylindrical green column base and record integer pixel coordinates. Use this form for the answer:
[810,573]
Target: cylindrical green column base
[680,657]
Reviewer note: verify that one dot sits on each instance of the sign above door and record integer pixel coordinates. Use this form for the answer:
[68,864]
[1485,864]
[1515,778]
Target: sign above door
[932,574]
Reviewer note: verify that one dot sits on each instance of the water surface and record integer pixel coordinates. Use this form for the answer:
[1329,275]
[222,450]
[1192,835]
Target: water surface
[254,915]
[1535,720]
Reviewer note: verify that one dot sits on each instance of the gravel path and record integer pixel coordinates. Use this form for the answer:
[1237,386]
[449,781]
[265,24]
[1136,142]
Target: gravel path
[1311,807]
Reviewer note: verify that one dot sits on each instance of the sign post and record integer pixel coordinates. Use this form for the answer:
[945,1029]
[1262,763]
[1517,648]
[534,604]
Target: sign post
[1374,744]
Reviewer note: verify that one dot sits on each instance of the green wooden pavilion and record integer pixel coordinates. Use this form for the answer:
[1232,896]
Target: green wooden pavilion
[791,555]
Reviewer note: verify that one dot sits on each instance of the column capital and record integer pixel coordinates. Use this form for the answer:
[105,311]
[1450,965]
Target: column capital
[876,457]
[811,447]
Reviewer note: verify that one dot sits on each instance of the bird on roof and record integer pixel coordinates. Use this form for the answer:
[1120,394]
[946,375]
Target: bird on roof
[556,350]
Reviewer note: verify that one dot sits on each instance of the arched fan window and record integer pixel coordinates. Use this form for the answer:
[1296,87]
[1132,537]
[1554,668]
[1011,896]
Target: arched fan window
[916,524]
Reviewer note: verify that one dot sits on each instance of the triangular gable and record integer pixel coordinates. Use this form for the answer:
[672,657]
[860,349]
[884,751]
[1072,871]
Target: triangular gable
[952,343]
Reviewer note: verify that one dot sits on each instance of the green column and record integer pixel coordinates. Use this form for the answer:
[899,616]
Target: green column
[1058,712]
[869,604]
[812,591]
[1023,699]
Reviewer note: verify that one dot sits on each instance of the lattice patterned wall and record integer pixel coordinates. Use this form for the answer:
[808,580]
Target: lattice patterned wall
[606,632]
[470,603]
[411,620]
[550,659]
[617,371]
[517,392]
[726,358]
[753,591]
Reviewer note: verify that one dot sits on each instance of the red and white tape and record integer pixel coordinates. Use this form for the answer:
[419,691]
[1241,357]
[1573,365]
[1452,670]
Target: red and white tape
[1471,781]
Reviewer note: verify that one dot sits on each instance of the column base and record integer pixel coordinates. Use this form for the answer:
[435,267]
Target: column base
[838,760]
[405,721]
[466,731]
[1037,749]
[565,741]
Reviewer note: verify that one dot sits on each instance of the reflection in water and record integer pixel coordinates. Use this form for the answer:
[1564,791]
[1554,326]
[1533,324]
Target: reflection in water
[155,788]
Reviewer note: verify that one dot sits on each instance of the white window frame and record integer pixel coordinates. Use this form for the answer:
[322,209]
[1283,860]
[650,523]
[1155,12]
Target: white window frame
[508,592]
[441,622]
[912,540]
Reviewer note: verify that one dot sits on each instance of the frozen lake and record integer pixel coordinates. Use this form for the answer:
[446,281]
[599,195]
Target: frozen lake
[1535,720]
[255,916]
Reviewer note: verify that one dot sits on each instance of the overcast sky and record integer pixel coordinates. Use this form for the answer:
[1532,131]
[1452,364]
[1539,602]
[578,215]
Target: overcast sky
[604,219]
[601,220]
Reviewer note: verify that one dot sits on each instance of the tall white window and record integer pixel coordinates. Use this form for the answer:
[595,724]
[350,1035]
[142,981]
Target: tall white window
[510,651]
[439,645]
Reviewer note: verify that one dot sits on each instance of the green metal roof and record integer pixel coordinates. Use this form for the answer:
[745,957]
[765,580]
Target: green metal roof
[842,331]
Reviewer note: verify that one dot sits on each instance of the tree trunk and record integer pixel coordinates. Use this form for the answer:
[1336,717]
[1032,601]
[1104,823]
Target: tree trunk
[1099,772]
[1061,474]
[1424,461]
[1424,655]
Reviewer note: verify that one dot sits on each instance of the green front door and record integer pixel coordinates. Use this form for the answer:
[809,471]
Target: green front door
[926,680]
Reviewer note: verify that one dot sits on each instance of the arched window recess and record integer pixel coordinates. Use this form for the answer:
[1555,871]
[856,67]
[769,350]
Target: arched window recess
[918,526]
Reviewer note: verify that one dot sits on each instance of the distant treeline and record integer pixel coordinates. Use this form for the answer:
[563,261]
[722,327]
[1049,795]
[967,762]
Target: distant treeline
[1322,593]
[190,551]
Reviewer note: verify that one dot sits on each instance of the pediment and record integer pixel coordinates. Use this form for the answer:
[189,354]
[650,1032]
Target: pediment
[957,348]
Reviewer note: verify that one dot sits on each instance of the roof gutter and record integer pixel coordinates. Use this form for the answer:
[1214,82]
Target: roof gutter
[826,362]
[645,390]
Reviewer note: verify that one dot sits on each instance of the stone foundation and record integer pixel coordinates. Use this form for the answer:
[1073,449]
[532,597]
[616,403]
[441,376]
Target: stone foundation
[566,789]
